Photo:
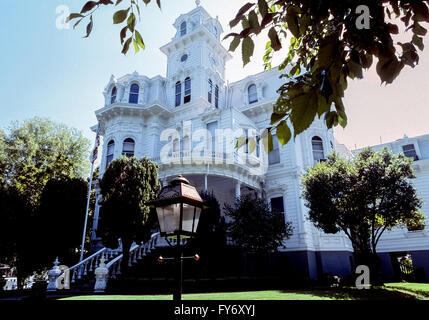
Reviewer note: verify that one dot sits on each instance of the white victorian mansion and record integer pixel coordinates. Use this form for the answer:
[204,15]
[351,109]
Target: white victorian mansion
[188,123]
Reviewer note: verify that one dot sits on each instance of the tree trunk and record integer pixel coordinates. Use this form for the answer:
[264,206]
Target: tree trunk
[126,245]
[371,260]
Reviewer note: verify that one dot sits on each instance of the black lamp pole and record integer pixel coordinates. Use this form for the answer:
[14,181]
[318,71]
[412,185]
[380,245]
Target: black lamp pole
[179,262]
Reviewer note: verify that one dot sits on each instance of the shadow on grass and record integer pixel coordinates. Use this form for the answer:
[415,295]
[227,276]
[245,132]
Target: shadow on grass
[356,294]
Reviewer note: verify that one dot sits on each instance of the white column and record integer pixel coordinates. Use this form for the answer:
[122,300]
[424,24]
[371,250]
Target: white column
[205,183]
[238,189]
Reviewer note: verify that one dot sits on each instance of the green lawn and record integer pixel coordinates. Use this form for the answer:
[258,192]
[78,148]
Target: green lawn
[418,288]
[315,294]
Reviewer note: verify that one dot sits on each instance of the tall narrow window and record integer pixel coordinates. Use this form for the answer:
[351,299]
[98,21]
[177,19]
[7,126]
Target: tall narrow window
[277,204]
[128,148]
[178,93]
[134,93]
[211,127]
[187,90]
[274,155]
[210,91]
[258,146]
[113,95]
[317,145]
[217,96]
[410,151]
[110,152]
[183,29]
[253,94]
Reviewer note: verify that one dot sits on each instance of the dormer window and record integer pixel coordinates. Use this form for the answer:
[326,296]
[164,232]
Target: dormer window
[183,29]
[134,93]
[252,93]
[410,151]
[113,95]
[187,90]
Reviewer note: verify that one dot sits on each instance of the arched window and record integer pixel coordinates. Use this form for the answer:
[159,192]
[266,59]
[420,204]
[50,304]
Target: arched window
[176,145]
[252,93]
[134,93]
[178,93]
[317,145]
[113,95]
[187,90]
[183,29]
[128,147]
[210,91]
[217,96]
[110,152]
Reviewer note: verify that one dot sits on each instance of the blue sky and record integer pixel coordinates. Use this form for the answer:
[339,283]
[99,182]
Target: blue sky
[54,73]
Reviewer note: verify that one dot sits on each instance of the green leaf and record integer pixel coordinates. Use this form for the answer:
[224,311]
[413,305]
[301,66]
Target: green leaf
[123,34]
[275,41]
[131,22]
[419,30]
[240,14]
[158,2]
[234,44]
[136,46]
[120,16]
[303,110]
[73,16]
[292,23]
[355,70]
[253,22]
[418,42]
[247,50]
[127,45]
[251,144]
[276,117]
[283,132]
[263,7]
[139,40]
[88,6]
[89,28]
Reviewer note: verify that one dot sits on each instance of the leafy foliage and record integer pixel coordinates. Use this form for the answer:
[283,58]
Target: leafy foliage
[60,218]
[254,227]
[326,49]
[128,16]
[38,150]
[362,198]
[126,186]
[16,216]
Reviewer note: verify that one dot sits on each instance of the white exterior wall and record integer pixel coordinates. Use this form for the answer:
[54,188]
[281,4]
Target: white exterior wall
[156,111]
[400,239]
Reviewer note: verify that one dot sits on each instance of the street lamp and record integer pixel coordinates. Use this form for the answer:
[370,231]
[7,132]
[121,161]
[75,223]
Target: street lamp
[178,208]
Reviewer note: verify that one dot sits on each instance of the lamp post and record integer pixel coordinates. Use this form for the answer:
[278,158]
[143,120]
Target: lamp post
[178,208]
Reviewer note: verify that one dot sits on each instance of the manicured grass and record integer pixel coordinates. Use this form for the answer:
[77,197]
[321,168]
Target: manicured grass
[315,294]
[419,288]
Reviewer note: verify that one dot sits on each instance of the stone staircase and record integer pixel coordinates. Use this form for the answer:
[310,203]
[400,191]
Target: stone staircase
[82,277]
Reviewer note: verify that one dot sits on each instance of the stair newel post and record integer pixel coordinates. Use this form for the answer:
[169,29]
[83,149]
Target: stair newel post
[101,276]
[54,274]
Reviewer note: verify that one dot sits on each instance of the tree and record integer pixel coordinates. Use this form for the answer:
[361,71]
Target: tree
[16,234]
[332,41]
[210,239]
[254,227]
[38,150]
[363,198]
[60,218]
[126,186]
